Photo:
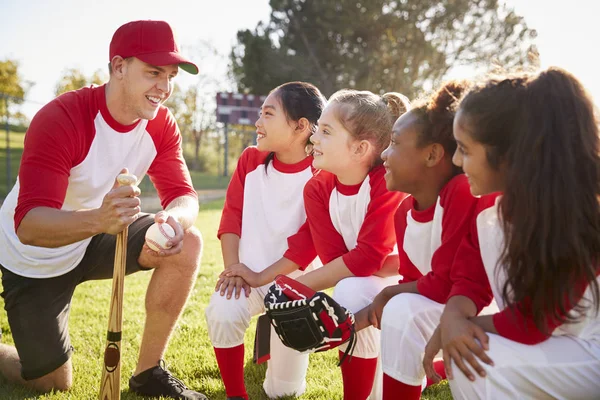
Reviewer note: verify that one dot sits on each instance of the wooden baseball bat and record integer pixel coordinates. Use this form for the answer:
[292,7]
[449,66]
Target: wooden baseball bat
[110,385]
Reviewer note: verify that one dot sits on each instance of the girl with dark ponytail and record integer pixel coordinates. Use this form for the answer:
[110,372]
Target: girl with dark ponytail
[263,207]
[535,139]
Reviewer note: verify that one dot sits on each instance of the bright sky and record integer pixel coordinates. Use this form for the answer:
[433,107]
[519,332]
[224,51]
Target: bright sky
[47,36]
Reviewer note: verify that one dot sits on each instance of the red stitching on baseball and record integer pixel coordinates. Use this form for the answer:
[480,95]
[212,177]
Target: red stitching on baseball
[156,244]
[160,228]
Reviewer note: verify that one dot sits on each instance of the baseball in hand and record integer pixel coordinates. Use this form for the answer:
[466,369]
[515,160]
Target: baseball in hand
[158,235]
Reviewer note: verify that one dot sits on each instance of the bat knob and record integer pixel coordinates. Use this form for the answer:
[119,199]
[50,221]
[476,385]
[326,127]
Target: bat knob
[126,179]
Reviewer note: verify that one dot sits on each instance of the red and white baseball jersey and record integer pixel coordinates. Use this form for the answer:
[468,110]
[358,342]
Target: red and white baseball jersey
[74,149]
[355,222]
[264,207]
[429,241]
[512,323]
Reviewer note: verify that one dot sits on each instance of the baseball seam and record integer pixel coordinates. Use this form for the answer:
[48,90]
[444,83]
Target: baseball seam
[155,244]
[163,232]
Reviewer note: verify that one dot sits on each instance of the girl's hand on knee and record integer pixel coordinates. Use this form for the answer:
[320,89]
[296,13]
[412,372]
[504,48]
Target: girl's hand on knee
[433,347]
[232,285]
[464,340]
[252,278]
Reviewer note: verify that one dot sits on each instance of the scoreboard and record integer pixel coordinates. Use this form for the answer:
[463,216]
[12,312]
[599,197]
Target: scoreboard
[238,108]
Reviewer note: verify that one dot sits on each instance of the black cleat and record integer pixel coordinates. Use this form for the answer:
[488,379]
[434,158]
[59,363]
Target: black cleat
[158,381]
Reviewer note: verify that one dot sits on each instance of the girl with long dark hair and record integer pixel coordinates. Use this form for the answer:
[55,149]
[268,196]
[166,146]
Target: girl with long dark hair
[535,139]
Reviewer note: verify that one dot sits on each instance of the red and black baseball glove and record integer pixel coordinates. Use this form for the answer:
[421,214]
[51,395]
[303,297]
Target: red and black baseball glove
[306,320]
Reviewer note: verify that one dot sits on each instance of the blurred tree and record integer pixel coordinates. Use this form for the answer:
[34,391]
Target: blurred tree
[12,85]
[379,45]
[73,79]
[194,107]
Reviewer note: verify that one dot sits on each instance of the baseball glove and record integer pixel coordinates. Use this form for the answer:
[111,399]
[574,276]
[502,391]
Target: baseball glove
[306,320]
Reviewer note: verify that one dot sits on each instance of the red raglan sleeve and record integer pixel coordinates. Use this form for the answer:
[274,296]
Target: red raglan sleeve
[468,274]
[376,238]
[301,249]
[516,323]
[168,172]
[54,144]
[329,244]
[458,207]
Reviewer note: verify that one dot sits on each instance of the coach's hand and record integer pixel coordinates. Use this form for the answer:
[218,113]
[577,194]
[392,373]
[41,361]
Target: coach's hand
[176,242]
[463,340]
[120,207]
[230,285]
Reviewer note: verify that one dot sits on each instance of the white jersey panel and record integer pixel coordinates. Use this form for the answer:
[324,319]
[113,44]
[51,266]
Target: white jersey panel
[348,212]
[110,151]
[273,210]
[418,234]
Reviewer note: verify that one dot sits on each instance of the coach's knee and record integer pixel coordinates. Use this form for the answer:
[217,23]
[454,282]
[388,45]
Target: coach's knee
[188,261]
[61,379]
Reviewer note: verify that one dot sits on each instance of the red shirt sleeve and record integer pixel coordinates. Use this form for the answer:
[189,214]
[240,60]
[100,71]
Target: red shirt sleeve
[301,249]
[376,238]
[58,139]
[468,274]
[406,269]
[231,218]
[329,244]
[516,323]
[458,206]
[168,172]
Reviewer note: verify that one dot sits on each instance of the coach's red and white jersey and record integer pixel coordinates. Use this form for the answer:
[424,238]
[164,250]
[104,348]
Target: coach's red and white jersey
[264,207]
[512,323]
[356,222]
[73,152]
[429,240]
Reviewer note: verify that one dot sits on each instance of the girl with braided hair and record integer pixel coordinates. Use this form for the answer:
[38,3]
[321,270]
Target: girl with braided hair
[535,139]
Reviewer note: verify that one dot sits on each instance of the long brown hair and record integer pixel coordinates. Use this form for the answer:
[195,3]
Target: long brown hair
[543,132]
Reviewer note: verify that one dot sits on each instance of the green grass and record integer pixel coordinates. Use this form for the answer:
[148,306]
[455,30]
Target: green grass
[190,354]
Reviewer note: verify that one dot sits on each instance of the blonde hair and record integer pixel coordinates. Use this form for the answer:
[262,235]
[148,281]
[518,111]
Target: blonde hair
[367,116]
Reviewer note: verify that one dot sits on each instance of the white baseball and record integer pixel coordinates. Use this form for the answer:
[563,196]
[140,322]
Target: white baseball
[158,235]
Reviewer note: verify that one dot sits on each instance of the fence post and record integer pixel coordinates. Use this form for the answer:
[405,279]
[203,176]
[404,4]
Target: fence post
[8,174]
[226,155]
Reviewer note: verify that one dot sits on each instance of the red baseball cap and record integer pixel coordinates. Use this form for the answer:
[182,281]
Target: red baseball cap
[152,42]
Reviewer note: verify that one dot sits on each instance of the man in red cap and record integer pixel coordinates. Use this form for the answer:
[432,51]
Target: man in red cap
[58,224]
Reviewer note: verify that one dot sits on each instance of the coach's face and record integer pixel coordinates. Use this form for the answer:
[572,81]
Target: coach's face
[145,87]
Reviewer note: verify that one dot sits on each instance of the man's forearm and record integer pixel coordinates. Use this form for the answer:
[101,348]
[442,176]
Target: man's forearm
[185,210]
[50,227]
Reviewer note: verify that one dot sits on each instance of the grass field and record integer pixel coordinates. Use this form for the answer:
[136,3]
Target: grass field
[190,355]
